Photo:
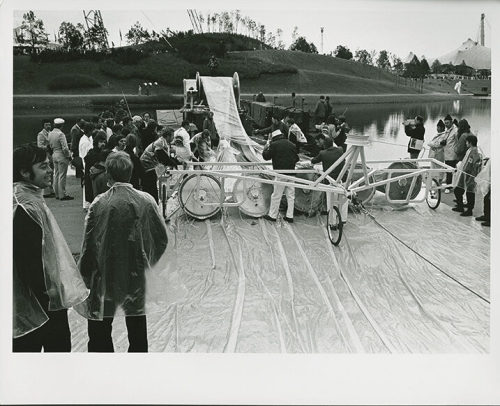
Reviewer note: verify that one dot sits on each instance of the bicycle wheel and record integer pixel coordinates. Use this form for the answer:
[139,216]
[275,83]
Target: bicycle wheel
[254,196]
[433,196]
[334,225]
[198,195]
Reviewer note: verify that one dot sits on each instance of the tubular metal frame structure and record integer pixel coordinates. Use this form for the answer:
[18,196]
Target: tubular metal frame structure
[282,177]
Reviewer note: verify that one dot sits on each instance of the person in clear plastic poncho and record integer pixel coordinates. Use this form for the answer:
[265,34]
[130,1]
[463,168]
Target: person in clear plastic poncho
[46,280]
[124,238]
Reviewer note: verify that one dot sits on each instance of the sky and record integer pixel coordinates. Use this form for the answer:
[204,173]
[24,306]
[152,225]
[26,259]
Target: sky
[424,28]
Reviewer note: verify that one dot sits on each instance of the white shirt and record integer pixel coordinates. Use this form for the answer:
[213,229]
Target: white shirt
[451,140]
[84,146]
[109,133]
[185,138]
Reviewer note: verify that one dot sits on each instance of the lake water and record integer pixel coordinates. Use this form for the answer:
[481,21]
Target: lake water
[381,121]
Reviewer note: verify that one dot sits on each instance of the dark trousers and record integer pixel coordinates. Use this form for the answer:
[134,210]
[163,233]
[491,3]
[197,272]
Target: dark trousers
[149,184]
[100,334]
[471,198]
[487,206]
[414,154]
[449,175]
[53,336]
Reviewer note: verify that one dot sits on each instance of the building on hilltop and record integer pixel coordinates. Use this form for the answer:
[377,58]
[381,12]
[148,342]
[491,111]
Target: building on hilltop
[474,55]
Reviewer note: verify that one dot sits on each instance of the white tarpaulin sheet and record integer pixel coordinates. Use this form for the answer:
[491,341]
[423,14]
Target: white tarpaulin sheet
[220,98]
[410,281]
[169,118]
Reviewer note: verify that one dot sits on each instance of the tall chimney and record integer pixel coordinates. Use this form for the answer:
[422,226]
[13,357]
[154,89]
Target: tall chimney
[322,29]
[482,29]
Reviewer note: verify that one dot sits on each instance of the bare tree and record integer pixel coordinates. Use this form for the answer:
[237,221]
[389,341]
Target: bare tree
[35,29]
[262,32]
[279,43]
[237,17]
[214,18]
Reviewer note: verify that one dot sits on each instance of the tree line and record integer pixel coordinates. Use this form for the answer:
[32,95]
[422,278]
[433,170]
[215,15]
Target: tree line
[75,38]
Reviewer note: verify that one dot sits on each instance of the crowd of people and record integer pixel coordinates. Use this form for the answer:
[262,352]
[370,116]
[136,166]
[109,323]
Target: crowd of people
[285,142]
[116,156]
[147,144]
[456,146]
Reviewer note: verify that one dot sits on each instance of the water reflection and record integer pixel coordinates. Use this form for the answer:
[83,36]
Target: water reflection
[383,123]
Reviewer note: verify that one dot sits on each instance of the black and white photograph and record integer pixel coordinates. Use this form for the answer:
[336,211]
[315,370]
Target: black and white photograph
[295,196]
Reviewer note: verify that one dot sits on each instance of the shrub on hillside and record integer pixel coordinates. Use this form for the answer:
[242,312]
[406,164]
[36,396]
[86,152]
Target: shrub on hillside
[197,48]
[170,75]
[128,56]
[50,55]
[63,82]
[169,70]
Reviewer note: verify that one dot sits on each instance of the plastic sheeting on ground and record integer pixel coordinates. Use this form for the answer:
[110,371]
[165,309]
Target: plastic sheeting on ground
[249,285]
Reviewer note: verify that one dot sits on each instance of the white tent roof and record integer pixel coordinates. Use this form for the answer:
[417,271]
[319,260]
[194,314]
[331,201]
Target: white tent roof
[476,56]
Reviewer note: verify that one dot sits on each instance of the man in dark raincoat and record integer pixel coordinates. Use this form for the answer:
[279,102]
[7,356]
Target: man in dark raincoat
[125,236]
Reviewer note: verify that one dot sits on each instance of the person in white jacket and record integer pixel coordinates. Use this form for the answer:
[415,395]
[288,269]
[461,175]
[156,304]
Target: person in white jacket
[183,132]
[437,148]
[84,146]
[450,156]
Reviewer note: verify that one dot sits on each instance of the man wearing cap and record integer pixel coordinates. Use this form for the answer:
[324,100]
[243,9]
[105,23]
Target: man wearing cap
[42,141]
[283,154]
[61,156]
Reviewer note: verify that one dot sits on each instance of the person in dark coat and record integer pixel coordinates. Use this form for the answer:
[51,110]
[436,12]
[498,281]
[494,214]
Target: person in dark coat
[260,98]
[148,134]
[329,156]
[462,132]
[283,154]
[341,133]
[93,157]
[415,130]
[209,124]
[328,107]
[98,175]
[76,133]
[137,176]
[320,110]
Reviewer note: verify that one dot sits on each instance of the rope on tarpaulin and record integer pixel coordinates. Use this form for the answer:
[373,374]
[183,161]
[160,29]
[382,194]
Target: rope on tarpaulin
[369,214]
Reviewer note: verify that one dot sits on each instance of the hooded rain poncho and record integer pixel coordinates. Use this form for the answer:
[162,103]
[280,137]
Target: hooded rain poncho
[65,286]
[124,237]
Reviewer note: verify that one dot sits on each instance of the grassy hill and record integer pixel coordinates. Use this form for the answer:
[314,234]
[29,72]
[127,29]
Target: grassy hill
[269,71]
